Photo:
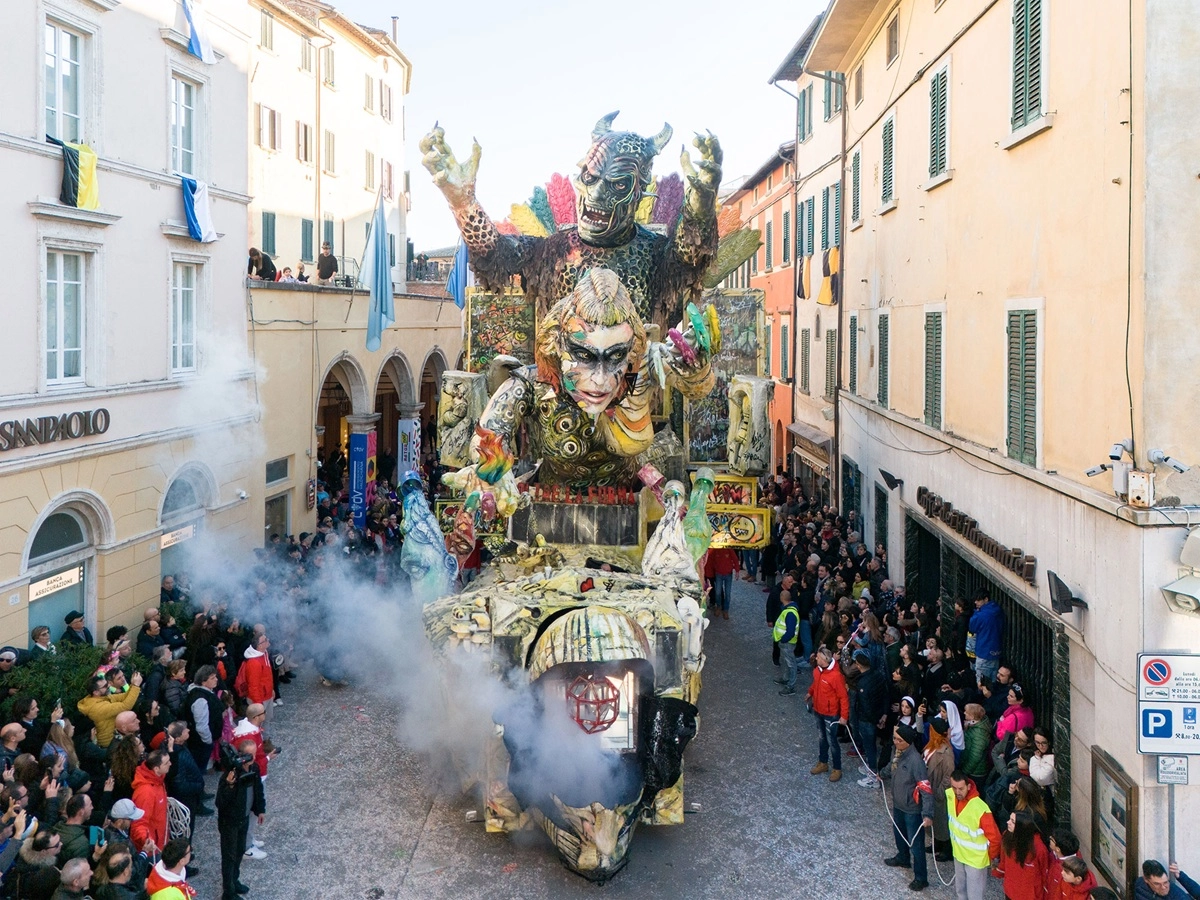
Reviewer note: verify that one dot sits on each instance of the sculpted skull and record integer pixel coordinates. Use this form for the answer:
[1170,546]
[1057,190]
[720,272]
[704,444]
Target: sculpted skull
[612,177]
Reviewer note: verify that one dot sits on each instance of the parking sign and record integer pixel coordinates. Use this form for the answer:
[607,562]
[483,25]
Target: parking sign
[1168,700]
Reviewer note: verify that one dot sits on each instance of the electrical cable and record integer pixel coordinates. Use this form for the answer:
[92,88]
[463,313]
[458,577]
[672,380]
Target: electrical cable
[879,440]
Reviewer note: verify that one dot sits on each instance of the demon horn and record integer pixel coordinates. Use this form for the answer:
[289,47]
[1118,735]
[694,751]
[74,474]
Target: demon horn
[604,125]
[661,139]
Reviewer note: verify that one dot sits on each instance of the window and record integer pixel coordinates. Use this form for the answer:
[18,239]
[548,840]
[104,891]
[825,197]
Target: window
[270,128]
[770,182]
[369,95]
[882,396]
[770,257]
[183,126]
[785,352]
[369,183]
[754,263]
[385,101]
[307,52]
[327,231]
[938,87]
[786,243]
[805,361]
[304,143]
[61,533]
[278,470]
[1027,62]
[889,136]
[858,85]
[306,240]
[266,30]
[387,180]
[328,163]
[65,316]
[825,220]
[770,349]
[856,187]
[837,213]
[183,318]
[810,226]
[1022,385]
[933,370]
[833,97]
[853,354]
[391,250]
[64,83]
[893,39]
[881,516]
[808,112]
[830,362]
[327,72]
[268,233]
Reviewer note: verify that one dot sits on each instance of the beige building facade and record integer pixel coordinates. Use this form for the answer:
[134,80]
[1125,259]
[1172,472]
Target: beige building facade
[1016,178]
[126,396]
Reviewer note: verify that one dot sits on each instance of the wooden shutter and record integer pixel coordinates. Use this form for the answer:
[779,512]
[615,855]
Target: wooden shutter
[855,187]
[830,361]
[933,370]
[805,361]
[937,123]
[1027,62]
[889,128]
[770,257]
[268,235]
[824,218]
[837,214]
[767,341]
[785,356]
[786,243]
[1022,386]
[883,362]
[306,240]
[853,354]
[828,97]
[801,104]
[810,235]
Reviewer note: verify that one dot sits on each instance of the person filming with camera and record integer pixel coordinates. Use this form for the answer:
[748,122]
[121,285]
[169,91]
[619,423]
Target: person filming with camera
[239,795]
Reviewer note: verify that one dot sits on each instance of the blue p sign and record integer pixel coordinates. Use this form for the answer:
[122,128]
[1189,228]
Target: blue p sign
[1156,723]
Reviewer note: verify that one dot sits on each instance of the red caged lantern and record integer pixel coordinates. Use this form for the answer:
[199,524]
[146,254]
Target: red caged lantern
[593,702]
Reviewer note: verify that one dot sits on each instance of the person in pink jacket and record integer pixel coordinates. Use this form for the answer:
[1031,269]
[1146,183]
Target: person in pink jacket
[1016,716]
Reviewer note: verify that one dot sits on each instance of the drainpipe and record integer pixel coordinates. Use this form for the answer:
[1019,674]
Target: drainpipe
[795,230]
[835,446]
[318,141]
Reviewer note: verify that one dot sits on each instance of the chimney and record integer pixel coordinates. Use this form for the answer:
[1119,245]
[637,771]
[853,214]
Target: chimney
[396,30]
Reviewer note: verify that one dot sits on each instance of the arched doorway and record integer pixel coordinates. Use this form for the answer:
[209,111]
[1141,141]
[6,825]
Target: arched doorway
[395,402]
[60,560]
[779,446]
[431,388]
[343,393]
[185,503]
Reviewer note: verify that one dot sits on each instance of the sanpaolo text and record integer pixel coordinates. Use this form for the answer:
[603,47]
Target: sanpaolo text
[48,429]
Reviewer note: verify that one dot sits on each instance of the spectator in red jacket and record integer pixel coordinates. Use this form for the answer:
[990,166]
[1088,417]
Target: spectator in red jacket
[150,796]
[255,682]
[1078,882]
[1024,860]
[830,704]
[720,567]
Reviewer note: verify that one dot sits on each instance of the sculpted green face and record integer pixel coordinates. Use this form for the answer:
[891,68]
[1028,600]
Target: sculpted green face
[611,180]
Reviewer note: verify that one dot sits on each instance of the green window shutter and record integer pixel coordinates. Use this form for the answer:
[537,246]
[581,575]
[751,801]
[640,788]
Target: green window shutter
[328,229]
[809,235]
[937,123]
[306,240]
[785,353]
[889,135]
[808,114]
[824,218]
[828,98]
[770,243]
[837,214]
[855,187]
[933,370]
[805,361]
[801,103]
[799,230]
[853,354]
[830,362]
[786,243]
[767,341]
[268,233]
[883,361]
[1022,386]
[1027,62]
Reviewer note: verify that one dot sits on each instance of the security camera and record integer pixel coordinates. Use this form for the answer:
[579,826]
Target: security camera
[1183,596]
[1116,451]
[1096,470]
[1157,456]
[242,495]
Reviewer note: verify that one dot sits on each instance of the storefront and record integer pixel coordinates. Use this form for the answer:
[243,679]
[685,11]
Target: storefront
[811,460]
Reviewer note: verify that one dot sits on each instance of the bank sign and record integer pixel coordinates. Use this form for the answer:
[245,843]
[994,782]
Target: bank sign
[1168,703]
[49,429]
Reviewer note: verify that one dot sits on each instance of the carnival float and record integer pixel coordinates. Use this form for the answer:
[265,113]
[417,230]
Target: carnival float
[605,432]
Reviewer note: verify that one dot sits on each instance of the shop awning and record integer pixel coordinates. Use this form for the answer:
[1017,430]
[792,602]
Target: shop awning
[812,444]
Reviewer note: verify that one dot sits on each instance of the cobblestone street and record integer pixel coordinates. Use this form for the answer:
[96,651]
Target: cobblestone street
[353,815]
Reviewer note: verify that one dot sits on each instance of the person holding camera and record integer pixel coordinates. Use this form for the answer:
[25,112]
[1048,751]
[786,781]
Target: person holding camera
[239,796]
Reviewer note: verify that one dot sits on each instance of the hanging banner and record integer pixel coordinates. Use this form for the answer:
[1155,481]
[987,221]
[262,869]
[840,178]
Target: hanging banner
[410,444]
[358,478]
[372,465]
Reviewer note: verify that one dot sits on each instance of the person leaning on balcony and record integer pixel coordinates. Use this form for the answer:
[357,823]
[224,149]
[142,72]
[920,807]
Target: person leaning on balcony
[327,266]
[260,267]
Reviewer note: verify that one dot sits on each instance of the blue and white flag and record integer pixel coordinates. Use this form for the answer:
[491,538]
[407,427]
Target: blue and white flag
[198,210]
[456,284]
[198,43]
[375,274]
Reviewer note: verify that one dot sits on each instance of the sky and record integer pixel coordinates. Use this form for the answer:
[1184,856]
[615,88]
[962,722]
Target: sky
[529,79]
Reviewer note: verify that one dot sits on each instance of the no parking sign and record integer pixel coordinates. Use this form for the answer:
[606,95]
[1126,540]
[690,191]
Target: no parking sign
[1168,700]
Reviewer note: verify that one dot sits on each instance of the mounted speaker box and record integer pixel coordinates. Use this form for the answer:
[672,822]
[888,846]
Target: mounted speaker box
[1062,601]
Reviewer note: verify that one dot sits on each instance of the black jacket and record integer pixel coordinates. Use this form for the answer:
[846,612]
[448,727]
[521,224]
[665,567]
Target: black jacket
[71,636]
[231,798]
[184,781]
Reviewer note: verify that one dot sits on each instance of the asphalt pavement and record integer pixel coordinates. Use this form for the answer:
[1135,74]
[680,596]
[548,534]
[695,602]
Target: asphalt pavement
[354,814]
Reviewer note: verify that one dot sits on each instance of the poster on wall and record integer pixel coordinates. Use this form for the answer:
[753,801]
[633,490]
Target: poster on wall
[372,465]
[498,324]
[358,479]
[409,441]
[1114,823]
[706,421]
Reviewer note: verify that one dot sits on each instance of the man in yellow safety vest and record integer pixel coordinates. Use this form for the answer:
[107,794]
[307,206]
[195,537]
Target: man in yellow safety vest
[973,836]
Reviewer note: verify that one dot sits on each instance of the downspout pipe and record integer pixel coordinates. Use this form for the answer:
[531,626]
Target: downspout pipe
[795,258]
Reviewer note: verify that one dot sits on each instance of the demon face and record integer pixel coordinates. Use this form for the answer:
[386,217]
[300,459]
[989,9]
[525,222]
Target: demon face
[612,178]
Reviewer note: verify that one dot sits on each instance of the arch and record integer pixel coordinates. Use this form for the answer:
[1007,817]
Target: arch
[778,454]
[461,362]
[99,528]
[437,359]
[194,478]
[348,373]
[399,373]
